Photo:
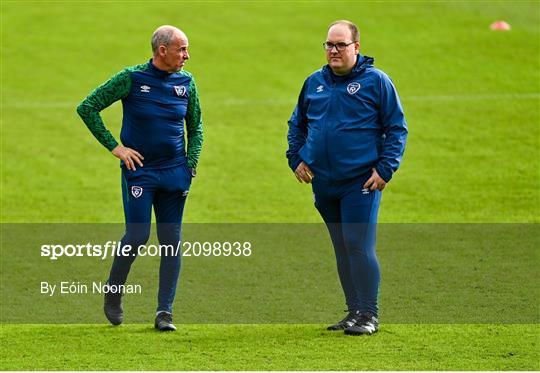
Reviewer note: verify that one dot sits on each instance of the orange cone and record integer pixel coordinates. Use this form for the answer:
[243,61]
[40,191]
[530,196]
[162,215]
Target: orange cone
[500,26]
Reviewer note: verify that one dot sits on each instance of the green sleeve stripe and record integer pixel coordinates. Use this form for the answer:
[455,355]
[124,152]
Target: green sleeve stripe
[102,97]
[194,126]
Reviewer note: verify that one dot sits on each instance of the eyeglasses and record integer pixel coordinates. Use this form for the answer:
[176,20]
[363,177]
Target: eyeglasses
[339,46]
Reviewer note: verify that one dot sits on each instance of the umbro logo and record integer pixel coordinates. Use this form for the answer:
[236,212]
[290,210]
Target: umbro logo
[353,87]
[320,88]
[145,89]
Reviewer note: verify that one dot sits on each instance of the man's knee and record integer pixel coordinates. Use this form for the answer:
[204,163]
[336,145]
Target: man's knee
[136,235]
[168,234]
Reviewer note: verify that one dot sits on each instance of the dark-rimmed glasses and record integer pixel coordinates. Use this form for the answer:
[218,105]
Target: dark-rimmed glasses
[339,46]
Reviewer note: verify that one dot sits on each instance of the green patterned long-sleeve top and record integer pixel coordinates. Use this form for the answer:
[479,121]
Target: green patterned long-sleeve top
[156,105]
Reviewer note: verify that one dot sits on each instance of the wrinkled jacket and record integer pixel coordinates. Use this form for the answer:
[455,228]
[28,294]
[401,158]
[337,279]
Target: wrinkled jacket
[343,126]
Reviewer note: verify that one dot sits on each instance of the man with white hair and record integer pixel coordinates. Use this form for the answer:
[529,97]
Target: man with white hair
[160,101]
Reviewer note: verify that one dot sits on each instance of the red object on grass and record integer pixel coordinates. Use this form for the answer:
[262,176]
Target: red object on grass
[500,26]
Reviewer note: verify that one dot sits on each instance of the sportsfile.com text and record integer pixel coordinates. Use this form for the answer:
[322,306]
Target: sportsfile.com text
[115,248]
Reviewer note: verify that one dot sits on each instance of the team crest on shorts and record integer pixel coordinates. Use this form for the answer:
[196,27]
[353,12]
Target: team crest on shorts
[353,87]
[136,191]
[180,90]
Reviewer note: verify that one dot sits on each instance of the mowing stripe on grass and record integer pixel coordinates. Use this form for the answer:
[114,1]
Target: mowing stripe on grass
[279,102]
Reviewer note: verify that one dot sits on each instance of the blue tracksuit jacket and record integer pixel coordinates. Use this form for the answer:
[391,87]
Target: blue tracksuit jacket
[343,126]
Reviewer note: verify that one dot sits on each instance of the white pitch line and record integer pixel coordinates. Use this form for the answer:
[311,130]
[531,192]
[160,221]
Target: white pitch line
[283,102]
[478,97]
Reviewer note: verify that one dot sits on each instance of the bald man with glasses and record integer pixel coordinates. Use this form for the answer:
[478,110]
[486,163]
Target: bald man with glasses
[346,138]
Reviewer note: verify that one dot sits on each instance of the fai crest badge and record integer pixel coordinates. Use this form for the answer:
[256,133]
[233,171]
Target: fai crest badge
[136,191]
[180,90]
[353,87]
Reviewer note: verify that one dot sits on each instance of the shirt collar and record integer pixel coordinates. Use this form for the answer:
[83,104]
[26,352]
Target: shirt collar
[157,71]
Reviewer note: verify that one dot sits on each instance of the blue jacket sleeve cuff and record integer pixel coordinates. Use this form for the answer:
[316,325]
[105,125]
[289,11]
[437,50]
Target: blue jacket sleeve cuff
[294,162]
[384,173]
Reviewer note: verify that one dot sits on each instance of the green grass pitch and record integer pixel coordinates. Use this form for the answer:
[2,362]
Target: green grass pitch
[471,97]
